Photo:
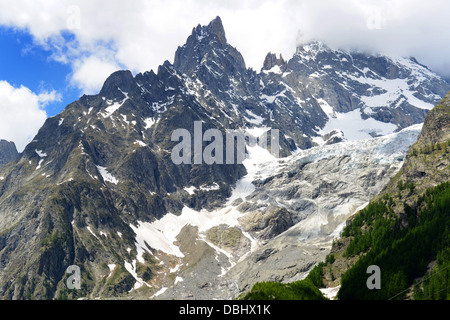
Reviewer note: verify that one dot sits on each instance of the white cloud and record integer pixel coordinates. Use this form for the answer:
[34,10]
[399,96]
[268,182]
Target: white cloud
[91,72]
[22,113]
[46,97]
[139,35]
[395,27]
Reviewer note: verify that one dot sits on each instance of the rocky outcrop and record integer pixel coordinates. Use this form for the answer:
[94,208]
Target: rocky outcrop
[272,61]
[93,171]
[269,224]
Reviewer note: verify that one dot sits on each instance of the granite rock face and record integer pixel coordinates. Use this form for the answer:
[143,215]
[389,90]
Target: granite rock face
[97,187]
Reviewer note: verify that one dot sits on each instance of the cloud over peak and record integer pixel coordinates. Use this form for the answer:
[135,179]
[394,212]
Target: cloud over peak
[98,37]
[22,113]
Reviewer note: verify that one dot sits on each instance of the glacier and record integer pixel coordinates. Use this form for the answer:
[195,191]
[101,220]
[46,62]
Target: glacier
[317,190]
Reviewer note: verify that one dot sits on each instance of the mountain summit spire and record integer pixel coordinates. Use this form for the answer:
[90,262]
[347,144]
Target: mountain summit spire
[216,27]
[271,61]
[205,43]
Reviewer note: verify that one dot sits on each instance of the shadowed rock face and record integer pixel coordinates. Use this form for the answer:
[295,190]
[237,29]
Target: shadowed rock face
[101,171]
[271,61]
[93,171]
[437,123]
[427,163]
[8,152]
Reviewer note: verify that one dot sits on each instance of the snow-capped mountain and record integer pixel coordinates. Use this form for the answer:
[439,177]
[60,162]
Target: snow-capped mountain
[97,187]
[319,93]
[354,93]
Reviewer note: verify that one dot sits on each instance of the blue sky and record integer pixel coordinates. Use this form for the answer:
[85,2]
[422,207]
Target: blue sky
[53,51]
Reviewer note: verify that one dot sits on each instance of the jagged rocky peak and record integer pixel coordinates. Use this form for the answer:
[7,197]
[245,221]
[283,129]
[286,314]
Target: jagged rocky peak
[272,61]
[206,43]
[215,28]
[208,59]
[445,102]
[213,31]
